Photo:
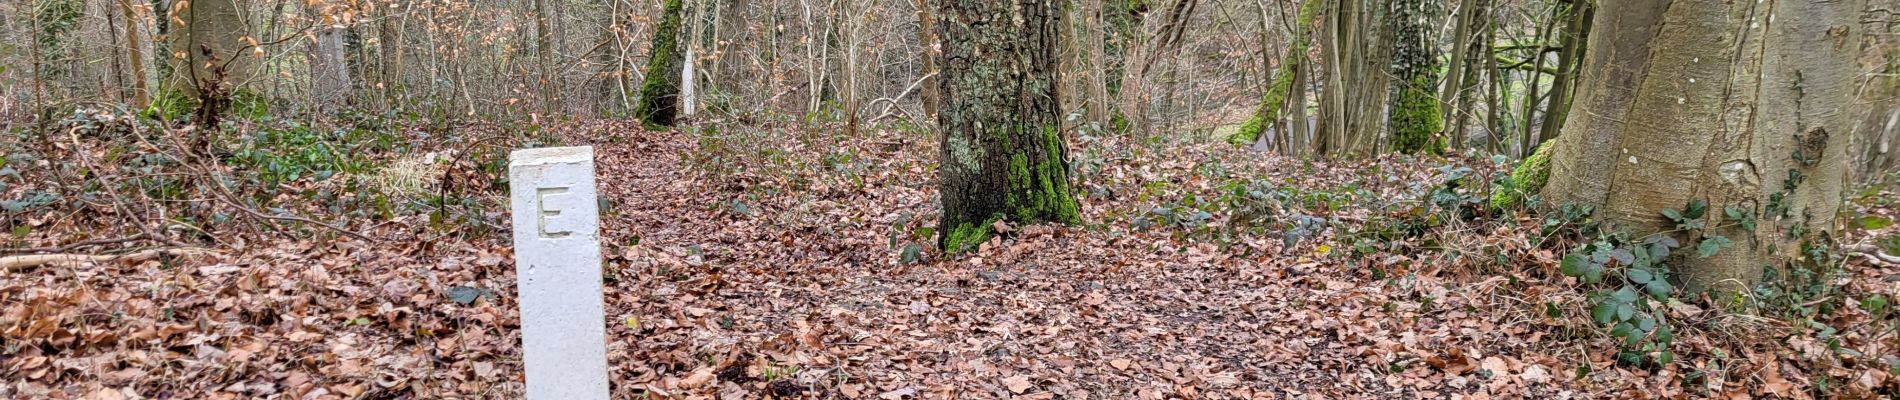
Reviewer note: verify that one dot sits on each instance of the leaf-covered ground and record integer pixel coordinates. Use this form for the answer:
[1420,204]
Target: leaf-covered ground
[774,260]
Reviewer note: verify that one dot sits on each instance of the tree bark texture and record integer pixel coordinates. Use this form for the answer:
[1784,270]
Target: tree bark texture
[1003,156]
[1413,118]
[1741,104]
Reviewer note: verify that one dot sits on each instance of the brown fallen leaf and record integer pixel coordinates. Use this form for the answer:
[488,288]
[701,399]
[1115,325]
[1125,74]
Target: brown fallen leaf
[699,378]
[1017,384]
[1121,363]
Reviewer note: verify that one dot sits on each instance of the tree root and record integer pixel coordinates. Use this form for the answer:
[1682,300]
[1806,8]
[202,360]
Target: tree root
[11,263]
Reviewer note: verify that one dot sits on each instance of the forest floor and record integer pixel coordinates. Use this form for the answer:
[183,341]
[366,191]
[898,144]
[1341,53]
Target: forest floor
[777,260]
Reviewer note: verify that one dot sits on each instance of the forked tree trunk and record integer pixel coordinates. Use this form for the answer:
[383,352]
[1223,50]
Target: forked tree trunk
[1003,156]
[1736,103]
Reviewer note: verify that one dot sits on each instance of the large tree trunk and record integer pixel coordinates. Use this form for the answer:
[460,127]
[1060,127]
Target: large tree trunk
[135,54]
[659,96]
[390,37]
[1466,57]
[1736,103]
[1003,156]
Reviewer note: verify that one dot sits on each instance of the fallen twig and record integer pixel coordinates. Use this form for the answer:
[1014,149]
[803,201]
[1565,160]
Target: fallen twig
[10,263]
[1876,255]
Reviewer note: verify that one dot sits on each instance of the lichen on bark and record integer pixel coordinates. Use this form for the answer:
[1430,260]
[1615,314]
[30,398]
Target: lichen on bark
[1002,155]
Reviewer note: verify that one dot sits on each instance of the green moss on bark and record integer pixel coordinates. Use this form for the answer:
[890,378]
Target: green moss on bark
[659,94]
[1270,106]
[1529,177]
[1039,190]
[1274,100]
[1415,118]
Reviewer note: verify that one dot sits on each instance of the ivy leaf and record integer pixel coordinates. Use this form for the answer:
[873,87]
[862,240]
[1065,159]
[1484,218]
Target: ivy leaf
[1672,214]
[1593,273]
[1733,212]
[1646,324]
[1659,250]
[1625,311]
[1623,256]
[1622,329]
[1697,208]
[1710,245]
[1602,253]
[1666,357]
[912,253]
[466,295]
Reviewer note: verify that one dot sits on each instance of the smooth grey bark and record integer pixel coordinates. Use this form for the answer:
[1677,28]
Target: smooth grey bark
[1740,104]
[217,27]
[330,85]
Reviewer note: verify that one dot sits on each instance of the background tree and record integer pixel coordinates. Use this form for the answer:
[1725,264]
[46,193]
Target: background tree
[1414,116]
[1733,104]
[330,85]
[659,96]
[207,30]
[1003,156]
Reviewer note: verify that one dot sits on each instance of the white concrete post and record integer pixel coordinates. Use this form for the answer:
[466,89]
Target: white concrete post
[688,101]
[556,218]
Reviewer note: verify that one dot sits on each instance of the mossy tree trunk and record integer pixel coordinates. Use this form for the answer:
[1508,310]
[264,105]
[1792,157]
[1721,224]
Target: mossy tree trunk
[1003,156]
[1414,117]
[659,95]
[1716,101]
[1274,101]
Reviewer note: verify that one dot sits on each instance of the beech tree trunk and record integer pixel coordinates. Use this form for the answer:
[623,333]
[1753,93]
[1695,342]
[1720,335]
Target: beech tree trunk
[1358,54]
[1003,156]
[1740,104]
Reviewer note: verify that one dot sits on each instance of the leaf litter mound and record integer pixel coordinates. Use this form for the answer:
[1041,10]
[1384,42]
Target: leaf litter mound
[778,261]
